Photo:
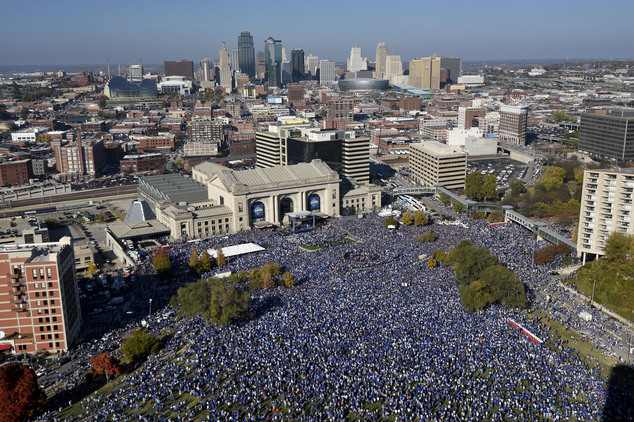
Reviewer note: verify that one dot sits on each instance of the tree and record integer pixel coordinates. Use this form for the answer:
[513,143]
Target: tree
[267,279]
[140,345]
[559,116]
[92,268]
[228,304]
[205,260]
[618,247]
[214,299]
[489,189]
[517,187]
[475,296]
[162,264]
[21,398]
[390,221]
[495,217]
[288,279]
[24,113]
[431,262]
[439,256]
[407,218]
[425,237]
[458,207]
[504,286]
[105,363]
[220,258]
[195,266]
[469,261]
[420,218]
[179,136]
[102,102]
[473,185]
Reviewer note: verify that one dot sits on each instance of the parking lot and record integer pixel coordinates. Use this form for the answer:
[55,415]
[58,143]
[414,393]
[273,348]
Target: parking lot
[504,169]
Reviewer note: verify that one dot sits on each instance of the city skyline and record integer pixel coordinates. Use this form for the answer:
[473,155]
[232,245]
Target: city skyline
[495,31]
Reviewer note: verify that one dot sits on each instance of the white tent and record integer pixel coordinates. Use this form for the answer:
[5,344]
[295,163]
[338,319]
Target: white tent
[242,249]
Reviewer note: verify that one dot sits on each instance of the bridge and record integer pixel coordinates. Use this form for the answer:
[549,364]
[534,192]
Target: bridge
[471,207]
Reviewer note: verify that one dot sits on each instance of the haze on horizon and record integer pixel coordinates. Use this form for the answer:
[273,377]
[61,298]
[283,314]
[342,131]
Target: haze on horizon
[79,32]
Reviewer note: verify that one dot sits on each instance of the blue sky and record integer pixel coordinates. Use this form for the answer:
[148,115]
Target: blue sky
[73,32]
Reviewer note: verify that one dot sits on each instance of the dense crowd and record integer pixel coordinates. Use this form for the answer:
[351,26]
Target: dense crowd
[372,337]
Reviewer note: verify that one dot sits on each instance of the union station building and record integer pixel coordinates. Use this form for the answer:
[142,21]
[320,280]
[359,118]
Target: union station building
[295,196]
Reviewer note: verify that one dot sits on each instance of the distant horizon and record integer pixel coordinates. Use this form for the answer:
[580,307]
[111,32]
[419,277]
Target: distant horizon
[44,34]
[54,67]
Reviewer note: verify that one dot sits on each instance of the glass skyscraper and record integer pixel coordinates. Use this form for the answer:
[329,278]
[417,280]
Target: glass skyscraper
[246,54]
[273,59]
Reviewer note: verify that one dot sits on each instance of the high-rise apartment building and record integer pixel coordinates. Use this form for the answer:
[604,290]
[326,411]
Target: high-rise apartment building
[326,72]
[434,163]
[226,79]
[180,68]
[381,54]
[513,124]
[312,62]
[425,72]
[606,207]
[246,54]
[39,303]
[608,133]
[355,61]
[273,60]
[297,64]
[393,68]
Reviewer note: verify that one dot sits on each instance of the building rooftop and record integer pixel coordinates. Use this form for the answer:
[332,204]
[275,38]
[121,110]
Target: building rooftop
[173,187]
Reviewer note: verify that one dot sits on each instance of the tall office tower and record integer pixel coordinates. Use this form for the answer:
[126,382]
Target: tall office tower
[341,150]
[454,65]
[136,71]
[261,65]
[273,60]
[39,302]
[513,124]
[468,116]
[246,54]
[381,54]
[393,68]
[225,68]
[606,202]
[297,64]
[355,61]
[286,72]
[181,68]
[425,72]
[235,60]
[284,58]
[312,62]
[326,72]
[434,163]
[608,133]
[205,70]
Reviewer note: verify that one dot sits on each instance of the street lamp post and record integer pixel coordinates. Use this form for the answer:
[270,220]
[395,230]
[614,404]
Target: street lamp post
[150,307]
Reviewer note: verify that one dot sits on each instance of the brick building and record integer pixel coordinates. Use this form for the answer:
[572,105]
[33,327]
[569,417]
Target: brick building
[295,92]
[39,303]
[161,142]
[82,157]
[15,172]
[141,163]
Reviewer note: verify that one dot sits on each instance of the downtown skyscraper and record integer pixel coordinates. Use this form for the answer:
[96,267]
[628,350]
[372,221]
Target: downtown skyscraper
[246,54]
[273,60]
[297,64]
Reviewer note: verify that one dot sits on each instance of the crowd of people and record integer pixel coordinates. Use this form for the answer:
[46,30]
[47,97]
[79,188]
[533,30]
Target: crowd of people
[378,336]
